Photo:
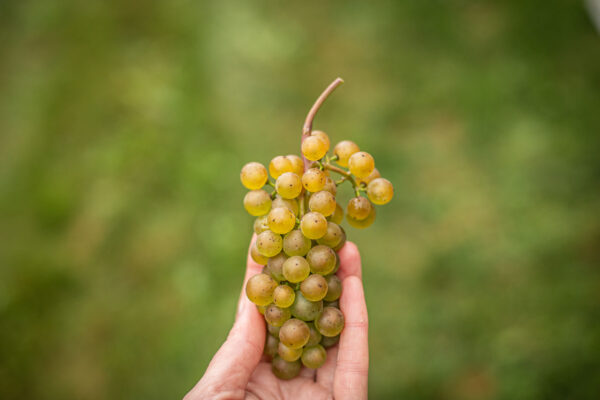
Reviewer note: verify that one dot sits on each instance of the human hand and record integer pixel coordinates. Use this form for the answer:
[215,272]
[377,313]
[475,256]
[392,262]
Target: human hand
[239,370]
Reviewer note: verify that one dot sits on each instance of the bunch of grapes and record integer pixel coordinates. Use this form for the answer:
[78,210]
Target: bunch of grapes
[298,235]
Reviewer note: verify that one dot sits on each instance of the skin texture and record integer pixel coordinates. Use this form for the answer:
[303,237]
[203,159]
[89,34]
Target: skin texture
[239,371]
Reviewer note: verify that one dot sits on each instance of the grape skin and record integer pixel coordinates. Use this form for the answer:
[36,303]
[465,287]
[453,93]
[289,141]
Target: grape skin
[329,323]
[290,204]
[261,224]
[314,180]
[314,148]
[271,345]
[285,369]
[322,202]
[297,164]
[296,244]
[314,288]
[275,266]
[380,191]
[281,220]
[313,225]
[269,243]
[341,243]
[296,269]
[257,257]
[344,150]
[372,175]
[279,165]
[321,259]
[257,202]
[364,223]
[259,289]
[276,316]
[253,175]
[328,342]
[304,309]
[361,164]
[287,353]
[330,186]
[313,356]
[274,330]
[334,288]
[359,208]
[323,136]
[333,236]
[294,333]
[283,296]
[288,185]
[315,336]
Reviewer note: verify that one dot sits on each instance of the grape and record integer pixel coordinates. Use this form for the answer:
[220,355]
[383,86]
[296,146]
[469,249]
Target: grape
[333,236]
[269,243]
[285,369]
[364,222]
[296,269]
[313,225]
[330,186]
[314,288]
[257,202]
[271,346]
[259,289]
[338,214]
[342,241]
[261,309]
[335,304]
[294,333]
[281,220]
[329,323]
[322,202]
[275,267]
[337,265]
[334,288]
[328,342]
[261,224]
[297,164]
[321,259]
[288,185]
[344,150]
[290,204]
[380,191]
[361,164]
[359,208]
[274,330]
[314,180]
[372,175]
[283,296]
[296,244]
[304,309]
[315,336]
[257,257]
[279,165]
[323,136]
[254,175]
[287,353]
[314,148]
[314,356]
[276,316]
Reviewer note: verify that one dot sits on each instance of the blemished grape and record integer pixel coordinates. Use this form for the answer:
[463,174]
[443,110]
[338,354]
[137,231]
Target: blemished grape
[259,289]
[314,356]
[257,202]
[321,259]
[322,202]
[253,175]
[341,243]
[361,164]
[257,257]
[333,236]
[359,208]
[296,244]
[297,164]
[314,148]
[328,342]
[344,150]
[276,316]
[287,353]
[329,323]
[269,243]
[314,180]
[314,287]
[338,215]
[281,220]
[323,136]
[271,346]
[283,296]
[279,165]
[294,333]
[304,309]
[274,330]
[313,225]
[275,266]
[330,186]
[261,224]
[372,175]
[288,185]
[334,288]
[291,204]
[296,269]
[285,369]
[315,336]
[363,223]
[380,191]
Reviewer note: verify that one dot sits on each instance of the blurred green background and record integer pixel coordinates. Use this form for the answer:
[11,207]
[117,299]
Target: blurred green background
[123,127]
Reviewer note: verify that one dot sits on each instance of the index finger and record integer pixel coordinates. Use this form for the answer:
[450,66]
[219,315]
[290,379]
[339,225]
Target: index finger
[350,264]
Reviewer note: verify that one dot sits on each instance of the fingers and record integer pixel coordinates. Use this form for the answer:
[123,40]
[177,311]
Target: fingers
[326,373]
[350,264]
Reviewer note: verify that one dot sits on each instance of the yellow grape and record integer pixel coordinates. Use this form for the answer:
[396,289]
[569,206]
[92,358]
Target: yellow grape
[322,202]
[372,175]
[291,204]
[269,243]
[288,185]
[296,244]
[314,287]
[380,191]
[297,164]
[283,296]
[294,333]
[314,148]
[259,289]
[361,164]
[363,223]
[330,322]
[330,186]
[257,202]
[276,316]
[257,257]
[321,259]
[279,165]
[334,288]
[314,356]
[338,214]
[333,237]
[344,150]
[287,353]
[281,220]
[296,269]
[323,136]
[313,225]
[261,224]
[254,175]
[314,180]
[359,208]
[285,369]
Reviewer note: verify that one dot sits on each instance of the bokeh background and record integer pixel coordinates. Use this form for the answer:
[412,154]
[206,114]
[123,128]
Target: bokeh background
[123,127]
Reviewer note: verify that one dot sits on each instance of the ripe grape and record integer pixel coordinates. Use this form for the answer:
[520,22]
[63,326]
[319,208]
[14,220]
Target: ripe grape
[276,316]
[259,289]
[296,244]
[341,243]
[254,175]
[269,243]
[372,175]
[314,288]
[315,336]
[344,150]
[329,323]
[291,204]
[257,257]
[321,259]
[323,136]
[313,225]
[261,224]
[380,191]
[334,288]
[287,353]
[279,165]
[281,220]
[322,202]
[333,236]
[314,356]
[271,346]
[363,223]
[361,164]
[330,186]
[295,333]
[314,180]
[297,164]
[261,309]
[314,148]
[358,208]
[288,185]
[335,304]
[274,330]
[257,202]
[275,267]
[296,269]
[328,342]
[338,214]
[304,309]
[283,296]
[285,369]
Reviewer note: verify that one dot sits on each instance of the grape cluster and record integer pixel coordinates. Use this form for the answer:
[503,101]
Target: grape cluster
[298,235]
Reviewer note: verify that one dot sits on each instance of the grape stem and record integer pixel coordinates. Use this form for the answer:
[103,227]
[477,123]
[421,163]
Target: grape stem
[347,175]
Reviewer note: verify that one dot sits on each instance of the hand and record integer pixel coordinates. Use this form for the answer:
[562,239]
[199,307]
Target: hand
[238,370]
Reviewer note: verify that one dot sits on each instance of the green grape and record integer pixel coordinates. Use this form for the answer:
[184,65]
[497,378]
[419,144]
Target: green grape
[361,164]
[281,220]
[276,316]
[335,304]
[295,269]
[283,296]
[271,346]
[313,225]
[261,224]
[372,175]
[330,186]
[344,150]
[297,164]
[314,288]
[328,342]
[275,266]
[359,208]
[321,259]
[304,309]
[342,241]
[337,265]
[380,191]
[333,236]
[334,288]
[259,289]
[294,333]
[323,136]
[314,148]
[364,223]
[274,330]
[254,175]
[257,202]
[338,214]
[261,309]
[257,257]
[314,180]
[280,165]
[329,323]
[322,202]
[287,353]
[315,336]
[290,204]
[296,244]
[288,185]
[314,356]
[285,369]
[269,243]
